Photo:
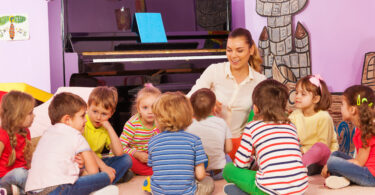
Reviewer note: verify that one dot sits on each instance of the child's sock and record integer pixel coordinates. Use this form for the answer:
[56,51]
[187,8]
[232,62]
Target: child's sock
[336,182]
[314,169]
[232,189]
[108,190]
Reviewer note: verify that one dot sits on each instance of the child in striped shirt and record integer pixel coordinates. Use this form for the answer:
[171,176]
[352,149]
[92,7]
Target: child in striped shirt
[272,142]
[140,128]
[177,157]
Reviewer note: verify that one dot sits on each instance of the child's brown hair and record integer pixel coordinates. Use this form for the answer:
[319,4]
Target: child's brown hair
[203,101]
[363,98]
[270,97]
[65,104]
[147,90]
[316,85]
[173,111]
[15,106]
[104,96]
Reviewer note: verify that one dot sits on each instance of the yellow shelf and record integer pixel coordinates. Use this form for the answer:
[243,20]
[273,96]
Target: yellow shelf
[35,92]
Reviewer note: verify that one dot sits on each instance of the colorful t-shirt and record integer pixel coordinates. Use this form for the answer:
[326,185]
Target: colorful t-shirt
[20,161]
[53,160]
[173,157]
[96,137]
[370,163]
[135,136]
[278,155]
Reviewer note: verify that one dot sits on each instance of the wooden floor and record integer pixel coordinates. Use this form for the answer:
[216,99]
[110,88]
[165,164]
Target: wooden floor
[316,187]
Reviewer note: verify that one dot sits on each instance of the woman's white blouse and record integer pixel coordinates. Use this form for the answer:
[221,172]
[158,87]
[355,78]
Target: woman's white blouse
[236,98]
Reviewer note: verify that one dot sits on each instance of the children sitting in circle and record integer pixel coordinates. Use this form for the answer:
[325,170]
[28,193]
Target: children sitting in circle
[53,167]
[314,124]
[177,158]
[271,141]
[99,133]
[213,131]
[358,108]
[15,145]
[140,128]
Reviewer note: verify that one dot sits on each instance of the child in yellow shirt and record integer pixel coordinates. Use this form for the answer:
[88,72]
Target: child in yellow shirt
[99,133]
[314,125]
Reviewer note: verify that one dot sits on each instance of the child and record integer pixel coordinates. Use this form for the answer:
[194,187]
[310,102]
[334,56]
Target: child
[315,127]
[99,133]
[177,158]
[15,145]
[53,168]
[358,108]
[213,131]
[140,128]
[274,142]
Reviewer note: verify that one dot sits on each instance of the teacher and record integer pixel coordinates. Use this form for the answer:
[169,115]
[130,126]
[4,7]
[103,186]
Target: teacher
[233,82]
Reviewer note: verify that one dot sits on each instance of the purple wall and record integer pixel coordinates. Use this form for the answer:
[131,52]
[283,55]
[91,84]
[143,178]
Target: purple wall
[27,61]
[341,32]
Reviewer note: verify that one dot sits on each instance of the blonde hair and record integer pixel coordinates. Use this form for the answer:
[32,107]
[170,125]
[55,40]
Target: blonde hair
[65,103]
[255,60]
[15,107]
[173,111]
[147,90]
[105,96]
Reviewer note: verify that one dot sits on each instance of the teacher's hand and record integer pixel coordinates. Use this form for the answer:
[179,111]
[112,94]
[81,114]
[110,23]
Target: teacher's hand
[218,108]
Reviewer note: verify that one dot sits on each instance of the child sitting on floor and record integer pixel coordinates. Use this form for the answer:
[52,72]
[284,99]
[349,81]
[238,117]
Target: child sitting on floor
[177,158]
[53,167]
[274,143]
[99,133]
[213,131]
[315,127]
[15,145]
[358,108]
[140,128]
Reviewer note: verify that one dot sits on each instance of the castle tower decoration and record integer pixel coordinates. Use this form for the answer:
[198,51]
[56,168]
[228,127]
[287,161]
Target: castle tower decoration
[368,71]
[275,42]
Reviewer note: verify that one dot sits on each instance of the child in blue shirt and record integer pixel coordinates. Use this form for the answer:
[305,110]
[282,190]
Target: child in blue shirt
[177,158]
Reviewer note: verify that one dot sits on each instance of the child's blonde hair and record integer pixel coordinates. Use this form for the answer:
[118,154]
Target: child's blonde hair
[173,111]
[203,101]
[363,98]
[270,97]
[15,106]
[147,90]
[318,89]
[105,96]
[65,103]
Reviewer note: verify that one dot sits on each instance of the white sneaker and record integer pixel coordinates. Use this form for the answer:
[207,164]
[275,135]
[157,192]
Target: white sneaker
[109,190]
[336,182]
[3,191]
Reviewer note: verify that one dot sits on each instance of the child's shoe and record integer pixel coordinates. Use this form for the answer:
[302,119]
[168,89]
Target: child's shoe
[336,182]
[127,177]
[232,189]
[3,191]
[314,169]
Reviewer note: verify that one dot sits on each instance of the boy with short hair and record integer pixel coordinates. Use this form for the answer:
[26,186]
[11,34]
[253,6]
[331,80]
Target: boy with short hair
[213,131]
[99,133]
[53,167]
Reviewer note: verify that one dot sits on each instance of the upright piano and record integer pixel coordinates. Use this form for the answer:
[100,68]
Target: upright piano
[111,54]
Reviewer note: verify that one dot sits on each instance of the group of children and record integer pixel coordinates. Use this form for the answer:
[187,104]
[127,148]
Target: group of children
[183,146]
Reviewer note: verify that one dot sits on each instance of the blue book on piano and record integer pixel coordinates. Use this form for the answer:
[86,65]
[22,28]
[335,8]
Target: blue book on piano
[149,27]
